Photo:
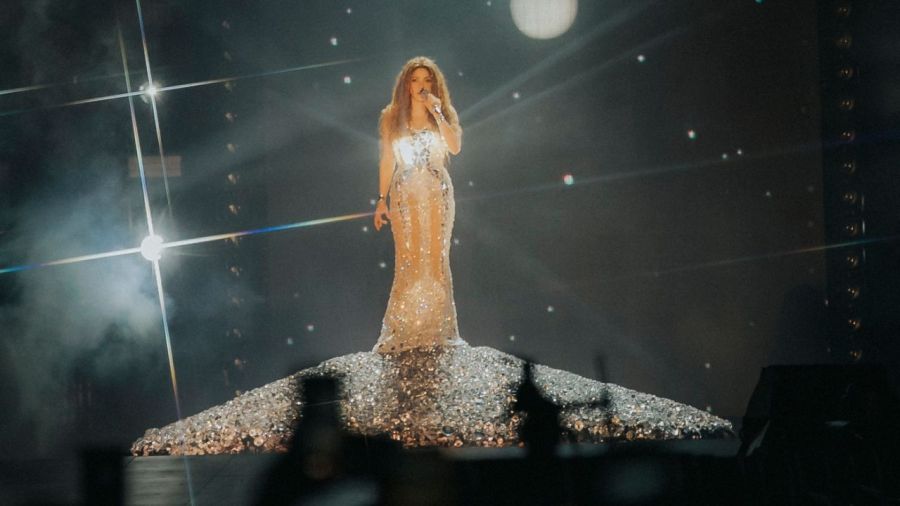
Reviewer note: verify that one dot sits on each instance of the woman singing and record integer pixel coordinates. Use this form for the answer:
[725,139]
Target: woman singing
[419,131]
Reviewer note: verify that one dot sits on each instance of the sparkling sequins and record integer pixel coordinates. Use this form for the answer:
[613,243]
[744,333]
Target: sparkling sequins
[420,310]
[448,396]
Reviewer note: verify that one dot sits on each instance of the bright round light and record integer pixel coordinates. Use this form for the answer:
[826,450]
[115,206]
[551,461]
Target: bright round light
[151,247]
[569,179]
[148,91]
[543,19]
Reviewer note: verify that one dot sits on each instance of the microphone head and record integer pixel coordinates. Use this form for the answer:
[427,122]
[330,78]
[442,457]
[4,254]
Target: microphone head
[423,92]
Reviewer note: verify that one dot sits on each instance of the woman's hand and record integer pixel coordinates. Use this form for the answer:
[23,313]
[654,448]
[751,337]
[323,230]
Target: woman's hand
[434,104]
[381,214]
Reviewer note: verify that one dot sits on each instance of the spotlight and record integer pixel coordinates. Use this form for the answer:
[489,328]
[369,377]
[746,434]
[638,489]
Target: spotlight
[846,73]
[848,135]
[543,19]
[854,228]
[844,41]
[842,10]
[847,104]
[347,80]
[850,197]
[151,247]
[569,180]
[692,134]
[641,58]
[854,324]
[848,167]
[149,91]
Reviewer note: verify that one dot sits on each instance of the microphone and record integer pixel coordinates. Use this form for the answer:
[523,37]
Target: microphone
[437,108]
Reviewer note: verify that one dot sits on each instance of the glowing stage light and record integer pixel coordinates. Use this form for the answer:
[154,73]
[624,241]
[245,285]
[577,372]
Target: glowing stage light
[148,91]
[543,19]
[692,134]
[347,80]
[641,58]
[569,179]
[151,247]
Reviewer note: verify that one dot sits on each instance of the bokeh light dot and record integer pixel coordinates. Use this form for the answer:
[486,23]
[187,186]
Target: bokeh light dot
[692,134]
[569,179]
[724,156]
[289,341]
[382,264]
[550,309]
[512,337]
[347,80]
[516,95]
[334,41]
[641,58]
[365,228]
[310,327]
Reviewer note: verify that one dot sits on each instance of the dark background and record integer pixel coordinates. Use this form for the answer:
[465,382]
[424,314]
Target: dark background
[675,264]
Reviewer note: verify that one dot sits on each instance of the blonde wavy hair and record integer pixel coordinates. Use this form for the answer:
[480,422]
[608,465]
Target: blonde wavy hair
[395,116]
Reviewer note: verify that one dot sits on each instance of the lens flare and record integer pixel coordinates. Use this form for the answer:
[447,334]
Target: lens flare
[151,247]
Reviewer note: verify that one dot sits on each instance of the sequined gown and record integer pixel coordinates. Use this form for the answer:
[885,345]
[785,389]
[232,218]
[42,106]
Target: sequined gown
[420,311]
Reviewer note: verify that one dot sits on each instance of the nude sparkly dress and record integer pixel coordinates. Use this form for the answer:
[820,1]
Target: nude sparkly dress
[420,311]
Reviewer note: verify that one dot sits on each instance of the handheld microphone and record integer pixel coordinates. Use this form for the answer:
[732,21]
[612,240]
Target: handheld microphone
[425,93]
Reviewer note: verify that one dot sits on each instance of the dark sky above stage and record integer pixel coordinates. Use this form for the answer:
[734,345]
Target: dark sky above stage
[638,198]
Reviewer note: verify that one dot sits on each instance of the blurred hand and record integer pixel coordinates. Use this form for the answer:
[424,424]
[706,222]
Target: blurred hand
[381,214]
[433,102]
